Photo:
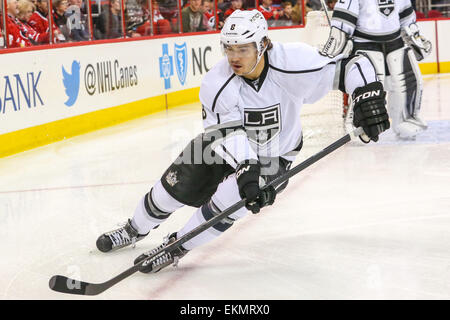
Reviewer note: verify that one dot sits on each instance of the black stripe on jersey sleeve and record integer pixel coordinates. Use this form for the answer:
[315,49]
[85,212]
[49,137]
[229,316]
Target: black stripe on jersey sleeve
[220,91]
[345,16]
[362,74]
[300,71]
[347,63]
[343,63]
[229,154]
[343,71]
[406,13]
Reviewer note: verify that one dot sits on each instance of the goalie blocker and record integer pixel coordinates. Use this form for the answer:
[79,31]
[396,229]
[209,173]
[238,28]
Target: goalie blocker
[369,111]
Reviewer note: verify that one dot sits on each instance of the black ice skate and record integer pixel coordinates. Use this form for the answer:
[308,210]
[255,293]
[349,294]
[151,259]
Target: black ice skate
[155,265]
[119,238]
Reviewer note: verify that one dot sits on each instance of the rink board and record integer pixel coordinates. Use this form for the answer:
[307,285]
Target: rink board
[443,30]
[50,95]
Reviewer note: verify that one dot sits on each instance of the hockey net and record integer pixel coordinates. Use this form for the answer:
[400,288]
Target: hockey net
[322,121]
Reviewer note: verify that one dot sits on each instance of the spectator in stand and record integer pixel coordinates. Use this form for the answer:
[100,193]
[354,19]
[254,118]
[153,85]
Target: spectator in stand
[59,18]
[145,28]
[59,9]
[209,18]
[269,12]
[16,38]
[331,4]
[160,24]
[109,24]
[192,17]
[39,21]
[223,5]
[286,16]
[168,9]
[235,5]
[77,21]
[135,18]
[25,9]
[297,12]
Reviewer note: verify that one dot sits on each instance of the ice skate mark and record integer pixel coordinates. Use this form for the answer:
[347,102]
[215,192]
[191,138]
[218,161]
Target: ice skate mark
[79,187]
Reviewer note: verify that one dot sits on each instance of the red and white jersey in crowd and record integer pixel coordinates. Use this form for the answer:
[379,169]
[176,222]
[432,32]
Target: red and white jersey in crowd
[40,23]
[228,12]
[209,20]
[269,13]
[16,37]
[31,34]
[373,20]
[157,15]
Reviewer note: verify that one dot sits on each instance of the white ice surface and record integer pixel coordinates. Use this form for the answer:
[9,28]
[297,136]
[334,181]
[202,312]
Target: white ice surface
[368,222]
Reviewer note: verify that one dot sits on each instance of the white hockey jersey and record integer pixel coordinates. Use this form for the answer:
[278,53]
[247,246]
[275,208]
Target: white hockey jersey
[373,20]
[264,117]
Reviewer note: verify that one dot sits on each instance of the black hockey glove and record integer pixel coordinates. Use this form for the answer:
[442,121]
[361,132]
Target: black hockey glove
[369,111]
[247,176]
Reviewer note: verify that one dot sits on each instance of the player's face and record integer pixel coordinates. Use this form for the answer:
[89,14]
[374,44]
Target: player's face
[242,58]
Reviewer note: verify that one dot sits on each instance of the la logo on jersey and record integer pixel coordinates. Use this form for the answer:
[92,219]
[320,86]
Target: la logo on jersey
[386,6]
[262,125]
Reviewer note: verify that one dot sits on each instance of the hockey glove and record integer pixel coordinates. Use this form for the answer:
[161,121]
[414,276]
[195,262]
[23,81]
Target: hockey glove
[369,111]
[420,46]
[338,43]
[247,176]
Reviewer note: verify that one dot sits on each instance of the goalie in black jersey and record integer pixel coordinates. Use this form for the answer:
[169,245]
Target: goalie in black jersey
[251,113]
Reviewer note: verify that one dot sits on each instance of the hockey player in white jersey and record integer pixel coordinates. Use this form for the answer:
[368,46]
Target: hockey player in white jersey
[251,113]
[377,27]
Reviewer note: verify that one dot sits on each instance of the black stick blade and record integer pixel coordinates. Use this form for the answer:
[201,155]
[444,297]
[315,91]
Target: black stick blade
[67,285]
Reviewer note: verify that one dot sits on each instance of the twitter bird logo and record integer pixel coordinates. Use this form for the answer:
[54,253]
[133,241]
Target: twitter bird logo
[72,83]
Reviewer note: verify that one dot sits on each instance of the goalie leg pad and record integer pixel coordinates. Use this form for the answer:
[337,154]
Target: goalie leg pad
[405,92]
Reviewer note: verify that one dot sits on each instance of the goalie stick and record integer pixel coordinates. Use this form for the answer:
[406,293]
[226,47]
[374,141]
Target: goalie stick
[324,7]
[64,284]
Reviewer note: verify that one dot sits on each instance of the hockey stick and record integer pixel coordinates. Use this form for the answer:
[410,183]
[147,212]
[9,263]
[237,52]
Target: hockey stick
[324,7]
[66,285]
